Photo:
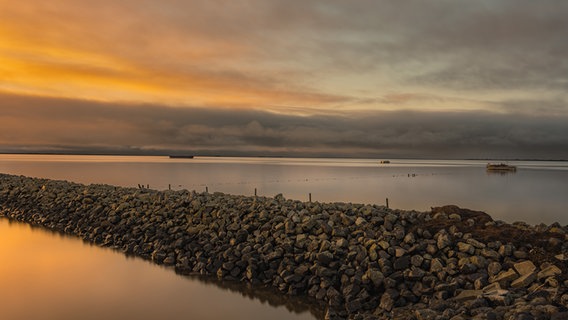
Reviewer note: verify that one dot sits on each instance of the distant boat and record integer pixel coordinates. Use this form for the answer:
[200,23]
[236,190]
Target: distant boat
[385,161]
[181,157]
[500,167]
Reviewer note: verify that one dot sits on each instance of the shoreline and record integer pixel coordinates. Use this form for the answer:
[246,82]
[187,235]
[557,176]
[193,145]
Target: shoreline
[358,261]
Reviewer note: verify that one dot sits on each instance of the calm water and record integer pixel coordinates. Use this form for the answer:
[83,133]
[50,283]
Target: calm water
[48,276]
[535,193]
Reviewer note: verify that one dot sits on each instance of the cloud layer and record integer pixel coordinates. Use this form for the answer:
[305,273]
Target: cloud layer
[81,126]
[291,55]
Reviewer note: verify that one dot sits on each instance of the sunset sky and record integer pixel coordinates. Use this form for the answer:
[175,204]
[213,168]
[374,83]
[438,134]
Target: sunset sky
[434,79]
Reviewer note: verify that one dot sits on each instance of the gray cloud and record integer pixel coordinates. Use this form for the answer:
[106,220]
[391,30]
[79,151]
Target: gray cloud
[291,47]
[30,123]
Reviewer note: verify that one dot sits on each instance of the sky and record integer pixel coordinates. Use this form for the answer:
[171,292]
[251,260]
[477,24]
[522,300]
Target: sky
[413,79]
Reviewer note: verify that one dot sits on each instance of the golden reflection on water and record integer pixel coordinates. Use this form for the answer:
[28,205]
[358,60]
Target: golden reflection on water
[44,275]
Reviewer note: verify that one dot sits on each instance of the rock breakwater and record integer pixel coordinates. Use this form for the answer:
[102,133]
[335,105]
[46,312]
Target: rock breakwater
[357,261]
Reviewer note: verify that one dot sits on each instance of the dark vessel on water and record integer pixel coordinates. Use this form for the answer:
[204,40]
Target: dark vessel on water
[500,167]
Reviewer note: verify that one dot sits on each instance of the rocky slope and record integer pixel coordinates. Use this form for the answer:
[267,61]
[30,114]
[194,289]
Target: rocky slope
[357,261]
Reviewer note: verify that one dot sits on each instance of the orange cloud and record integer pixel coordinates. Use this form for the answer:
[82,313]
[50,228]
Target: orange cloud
[109,54]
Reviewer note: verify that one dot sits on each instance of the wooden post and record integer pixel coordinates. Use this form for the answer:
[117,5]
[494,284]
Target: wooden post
[387,203]
[169,186]
[310,196]
[206,189]
[255,192]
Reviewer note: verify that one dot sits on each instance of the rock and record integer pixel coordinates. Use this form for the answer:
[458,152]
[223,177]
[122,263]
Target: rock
[425,314]
[353,306]
[524,267]
[454,216]
[550,271]
[506,250]
[479,261]
[505,276]
[559,316]
[409,238]
[443,241]
[360,221]
[436,265]
[325,258]
[492,288]
[416,260]
[399,252]
[490,254]
[494,268]
[383,244]
[524,280]
[388,299]
[341,243]
[499,299]
[375,276]
[431,249]
[467,295]
[401,263]
[518,254]
[561,257]
[466,247]
[476,244]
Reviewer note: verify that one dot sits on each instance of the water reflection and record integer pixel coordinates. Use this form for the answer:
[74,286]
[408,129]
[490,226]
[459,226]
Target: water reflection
[46,275]
[267,296]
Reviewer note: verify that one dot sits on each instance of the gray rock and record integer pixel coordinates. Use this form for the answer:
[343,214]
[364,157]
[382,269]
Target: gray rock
[443,241]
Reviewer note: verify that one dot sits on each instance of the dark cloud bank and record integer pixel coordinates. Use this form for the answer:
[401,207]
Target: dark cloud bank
[29,124]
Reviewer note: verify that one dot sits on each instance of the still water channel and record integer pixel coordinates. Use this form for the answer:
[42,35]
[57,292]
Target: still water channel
[44,275]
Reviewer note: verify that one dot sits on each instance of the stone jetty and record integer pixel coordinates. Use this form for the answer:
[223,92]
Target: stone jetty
[356,261]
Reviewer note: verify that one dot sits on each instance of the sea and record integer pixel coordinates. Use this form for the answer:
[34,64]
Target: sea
[64,278]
